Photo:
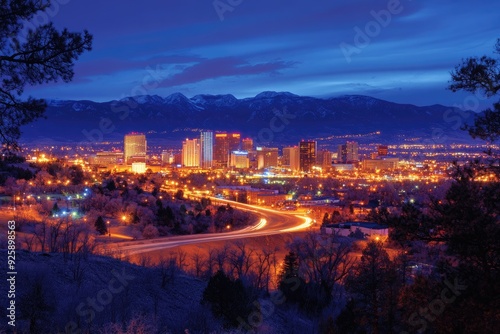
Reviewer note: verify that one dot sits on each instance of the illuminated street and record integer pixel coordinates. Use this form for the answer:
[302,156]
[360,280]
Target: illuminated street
[271,222]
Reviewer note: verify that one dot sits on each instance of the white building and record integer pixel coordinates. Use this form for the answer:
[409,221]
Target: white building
[348,228]
[138,167]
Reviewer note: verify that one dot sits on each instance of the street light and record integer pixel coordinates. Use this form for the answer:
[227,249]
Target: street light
[109,231]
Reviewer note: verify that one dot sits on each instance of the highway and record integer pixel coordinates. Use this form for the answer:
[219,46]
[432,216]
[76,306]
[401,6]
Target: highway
[270,222]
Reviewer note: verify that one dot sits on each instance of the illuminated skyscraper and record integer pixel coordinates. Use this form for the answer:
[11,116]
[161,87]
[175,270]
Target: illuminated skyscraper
[134,148]
[206,149]
[223,145]
[239,159]
[324,158]
[267,157]
[383,150]
[247,144]
[352,151]
[307,151]
[191,153]
[291,158]
[348,153]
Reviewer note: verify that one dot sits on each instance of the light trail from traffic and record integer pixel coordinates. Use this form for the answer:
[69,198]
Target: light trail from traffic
[271,222]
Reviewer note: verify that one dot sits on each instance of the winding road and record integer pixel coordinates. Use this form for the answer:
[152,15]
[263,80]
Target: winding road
[270,222]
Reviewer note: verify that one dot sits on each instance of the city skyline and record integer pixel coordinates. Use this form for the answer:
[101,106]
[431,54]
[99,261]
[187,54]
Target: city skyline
[229,166]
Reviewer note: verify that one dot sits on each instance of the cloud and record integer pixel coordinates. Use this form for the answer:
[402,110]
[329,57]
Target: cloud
[224,67]
[107,66]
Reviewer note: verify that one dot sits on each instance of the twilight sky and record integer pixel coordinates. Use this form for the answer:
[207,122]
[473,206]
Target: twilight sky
[401,51]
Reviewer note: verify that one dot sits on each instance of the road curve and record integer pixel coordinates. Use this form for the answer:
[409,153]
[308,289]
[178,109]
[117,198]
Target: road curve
[270,222]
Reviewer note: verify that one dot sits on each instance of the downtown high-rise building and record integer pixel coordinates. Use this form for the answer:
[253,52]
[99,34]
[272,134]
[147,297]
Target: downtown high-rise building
[191,153]
[247,144]
[267,157]
[348,153]
[382,150]
[324,158]
[206,149]
[239,159]
[307,158]
[224,144]
[291,158]
[134,148]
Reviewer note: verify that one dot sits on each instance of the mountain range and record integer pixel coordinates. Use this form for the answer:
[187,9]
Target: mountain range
[270,118]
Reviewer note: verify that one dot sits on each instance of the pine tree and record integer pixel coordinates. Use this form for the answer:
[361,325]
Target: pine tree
[374,285]
[100,226]
[290,266]
[55,209]
[31,57]
[290,283]
[481,75]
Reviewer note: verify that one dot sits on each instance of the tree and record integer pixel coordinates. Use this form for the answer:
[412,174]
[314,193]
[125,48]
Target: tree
[150,232]
[481,75]
[228,299]
[179,194]
[100,226]
[111,185]
[374,287]
[76,174]
[290,283]
[41,55]
[55,209]
[326,219]
[38,302]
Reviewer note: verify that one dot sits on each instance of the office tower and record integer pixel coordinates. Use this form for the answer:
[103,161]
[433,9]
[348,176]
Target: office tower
[352,151]
[348,153]
[191,153]
[168,157]
[225,143]
[247,144]
[342,153]
[307,151]
[295,159]
[291,158]
[165,157]
[239,159]
[383,150]
[285,158]
[206,149]
[267,157]
[134,148]
[324,158]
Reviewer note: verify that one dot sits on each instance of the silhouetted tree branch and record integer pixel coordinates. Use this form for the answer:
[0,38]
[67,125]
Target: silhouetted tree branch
[481,75]
[44,55]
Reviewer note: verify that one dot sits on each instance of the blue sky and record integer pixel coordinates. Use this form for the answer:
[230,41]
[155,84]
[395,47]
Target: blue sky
[400,51]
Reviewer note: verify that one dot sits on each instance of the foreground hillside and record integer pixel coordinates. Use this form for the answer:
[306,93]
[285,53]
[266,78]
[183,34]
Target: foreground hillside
[73,294]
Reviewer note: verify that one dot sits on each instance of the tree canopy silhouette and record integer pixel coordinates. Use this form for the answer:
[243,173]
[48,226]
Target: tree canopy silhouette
[31,57]
[481,75]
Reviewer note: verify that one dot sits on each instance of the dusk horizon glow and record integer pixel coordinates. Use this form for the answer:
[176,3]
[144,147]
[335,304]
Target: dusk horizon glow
[401,51]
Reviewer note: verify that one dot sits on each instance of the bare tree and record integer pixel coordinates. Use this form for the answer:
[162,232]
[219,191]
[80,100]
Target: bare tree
[29,241]
[323,259]
[240,259]
[180,258]
[167,270]
[55,230]
[263,268]
[220,257]
[41,234]
[199,264]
